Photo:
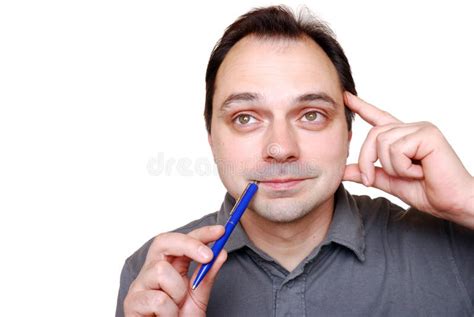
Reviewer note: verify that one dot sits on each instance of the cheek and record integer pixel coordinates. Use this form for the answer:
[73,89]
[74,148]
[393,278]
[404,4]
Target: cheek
[328,146]
[232,159]
[232,147]
[231,155]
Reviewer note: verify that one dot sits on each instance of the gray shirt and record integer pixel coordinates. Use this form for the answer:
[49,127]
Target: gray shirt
[374,261]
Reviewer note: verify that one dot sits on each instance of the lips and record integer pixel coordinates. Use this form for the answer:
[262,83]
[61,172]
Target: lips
[282,184]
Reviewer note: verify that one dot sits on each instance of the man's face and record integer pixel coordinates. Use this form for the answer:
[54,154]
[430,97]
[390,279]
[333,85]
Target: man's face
[278,115]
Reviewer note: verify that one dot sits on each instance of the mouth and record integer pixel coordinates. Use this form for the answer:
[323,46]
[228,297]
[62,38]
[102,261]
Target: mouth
[281,183]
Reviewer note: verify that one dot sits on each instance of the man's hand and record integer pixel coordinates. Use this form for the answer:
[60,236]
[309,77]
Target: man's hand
[417,165]
[162,287]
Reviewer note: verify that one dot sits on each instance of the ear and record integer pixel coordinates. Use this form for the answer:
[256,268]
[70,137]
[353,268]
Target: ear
[209,139]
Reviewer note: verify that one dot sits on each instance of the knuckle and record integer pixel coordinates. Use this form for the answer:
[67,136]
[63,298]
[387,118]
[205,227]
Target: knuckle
[431,128]
[127,302]
[202,231]
[393,150]
[157,240]
[374,132]
[160,269]
[159,299]
[133,285]
[384,113]
[381,138]
[192,241]
[426,123]
[396,147]
[161,236]
[135,300]
[211,229]
[165,241]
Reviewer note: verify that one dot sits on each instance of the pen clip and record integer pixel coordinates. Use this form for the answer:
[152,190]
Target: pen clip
[238,200]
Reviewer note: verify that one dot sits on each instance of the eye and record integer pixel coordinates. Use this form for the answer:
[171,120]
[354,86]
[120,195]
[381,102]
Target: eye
[244,119]
[312,116]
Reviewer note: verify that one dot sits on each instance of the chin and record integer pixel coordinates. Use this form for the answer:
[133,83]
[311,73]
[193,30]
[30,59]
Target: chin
[285,210]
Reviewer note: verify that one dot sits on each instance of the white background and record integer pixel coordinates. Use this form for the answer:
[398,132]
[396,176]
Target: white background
[93,92]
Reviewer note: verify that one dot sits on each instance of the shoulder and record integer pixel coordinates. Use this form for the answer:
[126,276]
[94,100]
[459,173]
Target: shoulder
[378,213]
[411,228]
[415,239]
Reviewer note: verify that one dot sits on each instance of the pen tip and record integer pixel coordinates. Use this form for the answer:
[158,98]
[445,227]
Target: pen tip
[194,287]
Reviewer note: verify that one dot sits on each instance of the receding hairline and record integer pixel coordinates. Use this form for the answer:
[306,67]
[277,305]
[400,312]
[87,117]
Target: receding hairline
[276,39]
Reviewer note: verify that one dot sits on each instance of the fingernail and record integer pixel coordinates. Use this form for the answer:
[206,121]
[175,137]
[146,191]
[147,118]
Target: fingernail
[205,252]
[365,180]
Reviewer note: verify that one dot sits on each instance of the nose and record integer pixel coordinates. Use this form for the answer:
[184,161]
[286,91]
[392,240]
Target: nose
[281,144]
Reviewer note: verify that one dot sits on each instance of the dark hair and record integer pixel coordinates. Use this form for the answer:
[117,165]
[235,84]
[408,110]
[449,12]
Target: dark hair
[278,22]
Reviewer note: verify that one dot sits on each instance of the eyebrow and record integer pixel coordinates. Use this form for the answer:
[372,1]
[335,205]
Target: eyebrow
[320,96]
[239,97]
[249,96]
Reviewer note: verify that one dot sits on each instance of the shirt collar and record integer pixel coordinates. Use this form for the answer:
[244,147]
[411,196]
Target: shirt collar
[346,227]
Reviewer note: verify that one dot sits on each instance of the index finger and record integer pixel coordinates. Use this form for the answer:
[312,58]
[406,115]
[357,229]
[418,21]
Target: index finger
[368,112]
[191,245]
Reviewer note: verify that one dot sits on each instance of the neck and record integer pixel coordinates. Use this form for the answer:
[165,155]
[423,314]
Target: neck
[289,243]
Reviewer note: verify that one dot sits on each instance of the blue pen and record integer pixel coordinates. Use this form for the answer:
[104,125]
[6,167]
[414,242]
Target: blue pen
[237,212]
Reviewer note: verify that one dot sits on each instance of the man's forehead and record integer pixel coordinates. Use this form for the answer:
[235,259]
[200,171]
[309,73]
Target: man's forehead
[252,48]
[257,67]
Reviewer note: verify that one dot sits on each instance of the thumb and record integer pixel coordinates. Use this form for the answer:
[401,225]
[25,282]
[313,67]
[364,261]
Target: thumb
[197,299]
[352,173]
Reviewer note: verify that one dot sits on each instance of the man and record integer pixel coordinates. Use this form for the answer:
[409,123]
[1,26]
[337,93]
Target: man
[279,105]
